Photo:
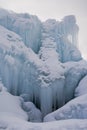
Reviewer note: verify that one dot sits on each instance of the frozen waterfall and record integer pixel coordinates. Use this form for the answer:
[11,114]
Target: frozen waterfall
[32,56]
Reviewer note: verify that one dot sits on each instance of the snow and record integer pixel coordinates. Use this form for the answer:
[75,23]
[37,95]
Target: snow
[75,109]
[20,62]
[27,26]
[13,117]
[75,71]
[11,105]
[14,56]
[55,36]
[2,88]
[34,114]
[16,124]
[31,30]
[20,66]
[41,69]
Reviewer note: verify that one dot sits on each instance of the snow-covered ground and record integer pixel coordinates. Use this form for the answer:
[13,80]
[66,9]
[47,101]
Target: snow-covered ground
[42,74]
[7,123]
[13,117]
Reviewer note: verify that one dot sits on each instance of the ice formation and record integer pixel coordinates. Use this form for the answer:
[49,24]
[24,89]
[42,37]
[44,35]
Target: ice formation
[75,109]
[23,66]
[56,35]
[13,117]
[82,87]
[75,71]
[34,114]
[40,61]
[27,26]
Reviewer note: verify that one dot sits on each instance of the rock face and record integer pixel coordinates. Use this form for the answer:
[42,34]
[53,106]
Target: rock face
[38,60]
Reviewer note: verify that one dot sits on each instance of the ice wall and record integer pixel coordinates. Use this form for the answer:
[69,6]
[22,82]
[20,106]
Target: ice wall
[30,28]
[17,68]
[41,78]
[27,26]
[75,72]
[70,29]
[22,72]
[62,36]
[75,109]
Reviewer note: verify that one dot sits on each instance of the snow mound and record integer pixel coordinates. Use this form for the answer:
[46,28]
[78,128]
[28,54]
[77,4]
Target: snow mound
[34,114]
[75,109]
[16,124]
[10,106]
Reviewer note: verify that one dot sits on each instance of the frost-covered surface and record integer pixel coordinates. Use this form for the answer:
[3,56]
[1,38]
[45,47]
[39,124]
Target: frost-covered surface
[34,114]
[41,63]
[14,56]
[27,26]
[55,37]
[64,33]
[75,71]
[10,105]
[7,123]
[2,87]
[75,109]
[13,117]
[22,66]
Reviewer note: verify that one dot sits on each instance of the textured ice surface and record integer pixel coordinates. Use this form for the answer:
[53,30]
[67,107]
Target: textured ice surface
[40,61]
[13,117]
[75,109]
[27,26]
[34,114]
[55,36]
[22,72]
[64,34]
[75,71]
[82,87]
